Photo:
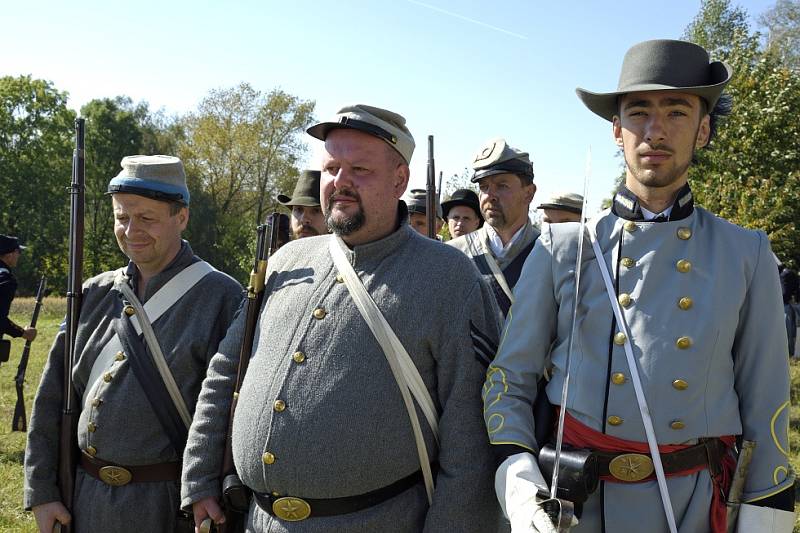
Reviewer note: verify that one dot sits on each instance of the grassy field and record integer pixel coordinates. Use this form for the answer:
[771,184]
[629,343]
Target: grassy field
[12,444]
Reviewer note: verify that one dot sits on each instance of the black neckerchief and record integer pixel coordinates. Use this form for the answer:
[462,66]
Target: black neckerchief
[626,205]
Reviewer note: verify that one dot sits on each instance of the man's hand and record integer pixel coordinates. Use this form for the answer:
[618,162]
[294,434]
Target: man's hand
[29,334]
[207,508]
[517,484]
[48,514]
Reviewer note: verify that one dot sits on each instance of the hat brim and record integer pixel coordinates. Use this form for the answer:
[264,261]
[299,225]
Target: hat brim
[606,105]
[305,201]
[571,209]
[448,205]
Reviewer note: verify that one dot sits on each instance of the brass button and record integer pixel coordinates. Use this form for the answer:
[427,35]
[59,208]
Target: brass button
[619,338]
[617,378]
[680,384]
[276,493]
[630,226]
[614,420]
[129,310]
[96,402]
[279,405]
[298,357]
[624,299]
[627,262]
[120,356]
[107,377]
[339,278]
[319,313]
[677,424]
[684,233]
[683,343]
[91,427]
[683,266]
[91,451]
[268,458]
[685,303]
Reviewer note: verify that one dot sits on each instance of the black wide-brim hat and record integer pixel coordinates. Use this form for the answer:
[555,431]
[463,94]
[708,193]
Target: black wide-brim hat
[662,65]
[9,243]
[465,197]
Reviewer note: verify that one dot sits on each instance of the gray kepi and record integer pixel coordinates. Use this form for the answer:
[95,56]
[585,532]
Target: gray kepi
[306,190]
[663,65]
[497,157]
[382,123]
[160,177]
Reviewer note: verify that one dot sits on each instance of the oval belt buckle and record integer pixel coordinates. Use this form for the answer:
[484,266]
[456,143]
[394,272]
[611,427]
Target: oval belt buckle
[116,476]
[631,467]
[291,509]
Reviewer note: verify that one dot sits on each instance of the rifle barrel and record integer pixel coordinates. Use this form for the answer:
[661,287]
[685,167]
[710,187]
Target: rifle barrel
[430,191]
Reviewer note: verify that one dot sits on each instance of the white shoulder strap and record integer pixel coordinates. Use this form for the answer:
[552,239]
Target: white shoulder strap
[403,368]
[637,383]
[475,242]
[156,306]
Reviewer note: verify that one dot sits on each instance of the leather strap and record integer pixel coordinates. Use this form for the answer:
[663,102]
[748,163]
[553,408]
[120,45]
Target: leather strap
[707,453]
[139,473]
[349,504]
[403,368]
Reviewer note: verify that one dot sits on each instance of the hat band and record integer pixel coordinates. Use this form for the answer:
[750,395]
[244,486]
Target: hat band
[156,190]
[512,166]
[368,128]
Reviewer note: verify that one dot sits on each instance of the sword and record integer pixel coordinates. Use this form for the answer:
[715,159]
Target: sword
[734,500]
[555,507]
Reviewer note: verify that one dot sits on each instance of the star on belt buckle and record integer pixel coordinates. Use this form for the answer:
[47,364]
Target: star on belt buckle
[631,467]
[291,509]
[116,476]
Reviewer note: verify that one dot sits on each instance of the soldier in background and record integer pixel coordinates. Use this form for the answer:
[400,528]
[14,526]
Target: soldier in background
[462,212]
[131,433]
[505,178]
[416,202]
[790,286]
[562,207]
[10,251]
[307,218]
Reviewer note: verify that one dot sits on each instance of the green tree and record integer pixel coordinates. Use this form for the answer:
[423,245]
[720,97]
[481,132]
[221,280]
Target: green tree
[240,148]
[751,172]
[36,131]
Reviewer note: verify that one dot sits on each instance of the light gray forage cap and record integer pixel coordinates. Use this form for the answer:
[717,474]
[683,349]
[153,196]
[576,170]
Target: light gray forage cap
[382,123]
[160,177]
[497,157]
[565,201]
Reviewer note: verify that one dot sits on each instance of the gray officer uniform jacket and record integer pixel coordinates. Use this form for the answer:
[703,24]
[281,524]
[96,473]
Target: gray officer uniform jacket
[702,300]
[125,428]
[476,246]
[320,414]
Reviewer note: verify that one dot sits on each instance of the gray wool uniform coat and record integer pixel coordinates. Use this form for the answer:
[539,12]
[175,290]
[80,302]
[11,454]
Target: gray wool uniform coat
[342,428]
[127,430]
[730,378]
[476,246]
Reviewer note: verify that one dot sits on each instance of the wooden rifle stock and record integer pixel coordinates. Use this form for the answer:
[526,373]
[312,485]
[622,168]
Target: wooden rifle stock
[266,245]
[68,447]
[430,191]
[19,421]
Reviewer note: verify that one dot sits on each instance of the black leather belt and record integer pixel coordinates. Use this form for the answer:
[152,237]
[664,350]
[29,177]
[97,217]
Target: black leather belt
[633,467]
[294,508]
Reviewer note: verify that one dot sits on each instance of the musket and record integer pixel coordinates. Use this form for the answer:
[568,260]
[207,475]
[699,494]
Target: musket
[430,191]
[236,495]
[68,448]
[19,420]
[734,500]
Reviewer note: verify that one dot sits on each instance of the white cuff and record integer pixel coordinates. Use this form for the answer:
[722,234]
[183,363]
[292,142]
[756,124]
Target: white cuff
[753,518]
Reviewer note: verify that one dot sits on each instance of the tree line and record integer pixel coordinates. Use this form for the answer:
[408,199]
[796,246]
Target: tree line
[240,147]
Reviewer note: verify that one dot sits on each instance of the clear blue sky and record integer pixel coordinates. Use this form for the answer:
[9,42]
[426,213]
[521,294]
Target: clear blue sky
[462,71]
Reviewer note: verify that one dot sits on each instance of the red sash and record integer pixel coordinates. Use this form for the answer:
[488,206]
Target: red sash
[582,436]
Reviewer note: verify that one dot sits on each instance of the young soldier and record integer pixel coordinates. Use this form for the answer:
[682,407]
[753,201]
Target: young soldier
[462,212]
[701,318]
[131,433]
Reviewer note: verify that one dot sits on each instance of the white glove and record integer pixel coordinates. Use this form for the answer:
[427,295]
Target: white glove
[753,518]
[517,483]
